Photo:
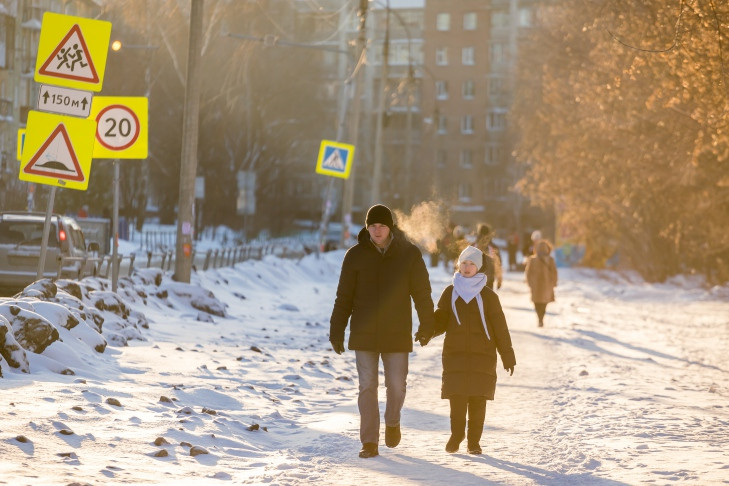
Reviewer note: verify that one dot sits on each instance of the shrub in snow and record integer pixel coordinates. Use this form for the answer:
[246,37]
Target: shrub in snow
[40,289]
[10,350]
[182,294]
[109,301]
[148,276]
[56,313]
[32,331]
[76,289]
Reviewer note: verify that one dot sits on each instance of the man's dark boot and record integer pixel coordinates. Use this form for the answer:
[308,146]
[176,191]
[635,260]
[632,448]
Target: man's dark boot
[369,449]
[392,435]
[476,418]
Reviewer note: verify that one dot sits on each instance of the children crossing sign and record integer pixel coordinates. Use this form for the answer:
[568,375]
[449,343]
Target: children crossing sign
[335,159]
[72,51]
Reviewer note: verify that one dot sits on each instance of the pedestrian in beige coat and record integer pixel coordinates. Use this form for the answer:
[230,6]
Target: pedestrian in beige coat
[541,275]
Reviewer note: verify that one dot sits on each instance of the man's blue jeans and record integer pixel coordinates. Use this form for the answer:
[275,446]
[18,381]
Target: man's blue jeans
[396,372]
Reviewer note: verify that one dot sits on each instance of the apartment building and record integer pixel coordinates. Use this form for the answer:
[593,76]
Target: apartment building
[471,49]
[393,29]
[448,90]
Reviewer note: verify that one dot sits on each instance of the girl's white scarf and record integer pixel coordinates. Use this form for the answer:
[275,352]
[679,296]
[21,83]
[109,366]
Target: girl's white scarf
[467,289]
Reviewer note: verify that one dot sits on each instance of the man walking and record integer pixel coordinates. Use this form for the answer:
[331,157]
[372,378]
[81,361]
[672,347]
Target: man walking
[380,274]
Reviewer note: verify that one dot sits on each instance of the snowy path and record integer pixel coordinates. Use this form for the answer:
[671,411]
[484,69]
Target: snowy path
[626,384]
[594,400]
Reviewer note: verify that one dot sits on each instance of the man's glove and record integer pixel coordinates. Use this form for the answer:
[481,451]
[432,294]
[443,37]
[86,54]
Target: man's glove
[422,338]
[510,370]
[337,345]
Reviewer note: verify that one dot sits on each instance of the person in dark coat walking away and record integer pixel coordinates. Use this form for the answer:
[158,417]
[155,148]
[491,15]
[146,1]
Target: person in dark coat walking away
[380,275]
[470,314]
[541,275]
[512,245]
[492,263]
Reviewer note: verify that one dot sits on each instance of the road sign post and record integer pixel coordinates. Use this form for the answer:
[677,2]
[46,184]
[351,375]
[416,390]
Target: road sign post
[57,149]
[335,160]
[121,133]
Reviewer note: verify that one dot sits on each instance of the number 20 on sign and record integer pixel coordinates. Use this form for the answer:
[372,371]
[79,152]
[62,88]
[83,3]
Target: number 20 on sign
[122,127]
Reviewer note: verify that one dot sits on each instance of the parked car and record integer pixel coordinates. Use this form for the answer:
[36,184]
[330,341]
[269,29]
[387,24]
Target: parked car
[21,235]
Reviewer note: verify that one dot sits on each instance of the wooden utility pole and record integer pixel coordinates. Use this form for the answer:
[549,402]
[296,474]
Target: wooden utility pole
[377,176]
[188,169]
[348,197]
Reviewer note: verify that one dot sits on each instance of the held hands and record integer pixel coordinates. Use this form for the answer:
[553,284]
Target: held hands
[337,345]
[422,338]
[510,370]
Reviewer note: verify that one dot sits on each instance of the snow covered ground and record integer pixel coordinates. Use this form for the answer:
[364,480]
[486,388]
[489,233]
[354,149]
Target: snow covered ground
[627,383]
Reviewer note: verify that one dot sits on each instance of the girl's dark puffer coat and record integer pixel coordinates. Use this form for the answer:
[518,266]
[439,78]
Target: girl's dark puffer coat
[469,358]
[375,290]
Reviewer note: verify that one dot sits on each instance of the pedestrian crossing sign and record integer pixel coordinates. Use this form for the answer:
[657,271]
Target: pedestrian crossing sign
[72,51]
[335,159]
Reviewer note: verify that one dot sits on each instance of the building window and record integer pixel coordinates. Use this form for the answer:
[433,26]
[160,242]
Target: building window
[496,86]
[494,188]
[466,159]
[464,192]
[497,52]
[441,159]
[525,17]
[7,41]
[441,56]
[466,124]
[442,128]
[496,119]
[441,90]
[330,58]
[443,21]
[469,21]
[399,55]
[468,90]
[494,154]
[500,19]
[468,56]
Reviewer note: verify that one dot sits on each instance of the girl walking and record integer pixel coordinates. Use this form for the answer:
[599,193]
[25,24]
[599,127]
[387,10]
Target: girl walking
[475,328]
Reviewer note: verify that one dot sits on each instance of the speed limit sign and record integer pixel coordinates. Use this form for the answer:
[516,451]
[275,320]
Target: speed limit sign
[122,126]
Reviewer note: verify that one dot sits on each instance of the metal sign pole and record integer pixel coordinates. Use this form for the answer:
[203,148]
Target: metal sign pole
[46,232]
[115,232]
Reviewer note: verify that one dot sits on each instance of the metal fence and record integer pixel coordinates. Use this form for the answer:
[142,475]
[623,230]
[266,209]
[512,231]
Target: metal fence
[213,258]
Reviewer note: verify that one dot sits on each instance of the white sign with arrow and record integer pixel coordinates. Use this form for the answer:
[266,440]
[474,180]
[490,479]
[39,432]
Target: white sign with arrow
[65,101]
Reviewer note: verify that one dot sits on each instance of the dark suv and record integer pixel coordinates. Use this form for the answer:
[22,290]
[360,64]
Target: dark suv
[21,235]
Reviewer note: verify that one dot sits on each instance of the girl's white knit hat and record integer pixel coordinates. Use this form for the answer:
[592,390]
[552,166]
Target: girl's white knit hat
[471,253]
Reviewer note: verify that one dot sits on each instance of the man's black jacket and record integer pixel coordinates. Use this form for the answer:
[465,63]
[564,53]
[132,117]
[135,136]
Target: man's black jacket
[375,290]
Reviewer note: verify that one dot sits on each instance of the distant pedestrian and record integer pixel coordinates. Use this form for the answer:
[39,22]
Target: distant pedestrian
[512,246]
[455,246]
[541,275]
[492,263]
[475,328]
[380,275]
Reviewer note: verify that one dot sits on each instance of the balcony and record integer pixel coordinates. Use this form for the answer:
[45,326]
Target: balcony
[6,110]
[24,113]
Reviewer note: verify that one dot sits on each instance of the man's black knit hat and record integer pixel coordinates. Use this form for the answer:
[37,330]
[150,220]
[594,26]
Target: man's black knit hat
[379,214]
